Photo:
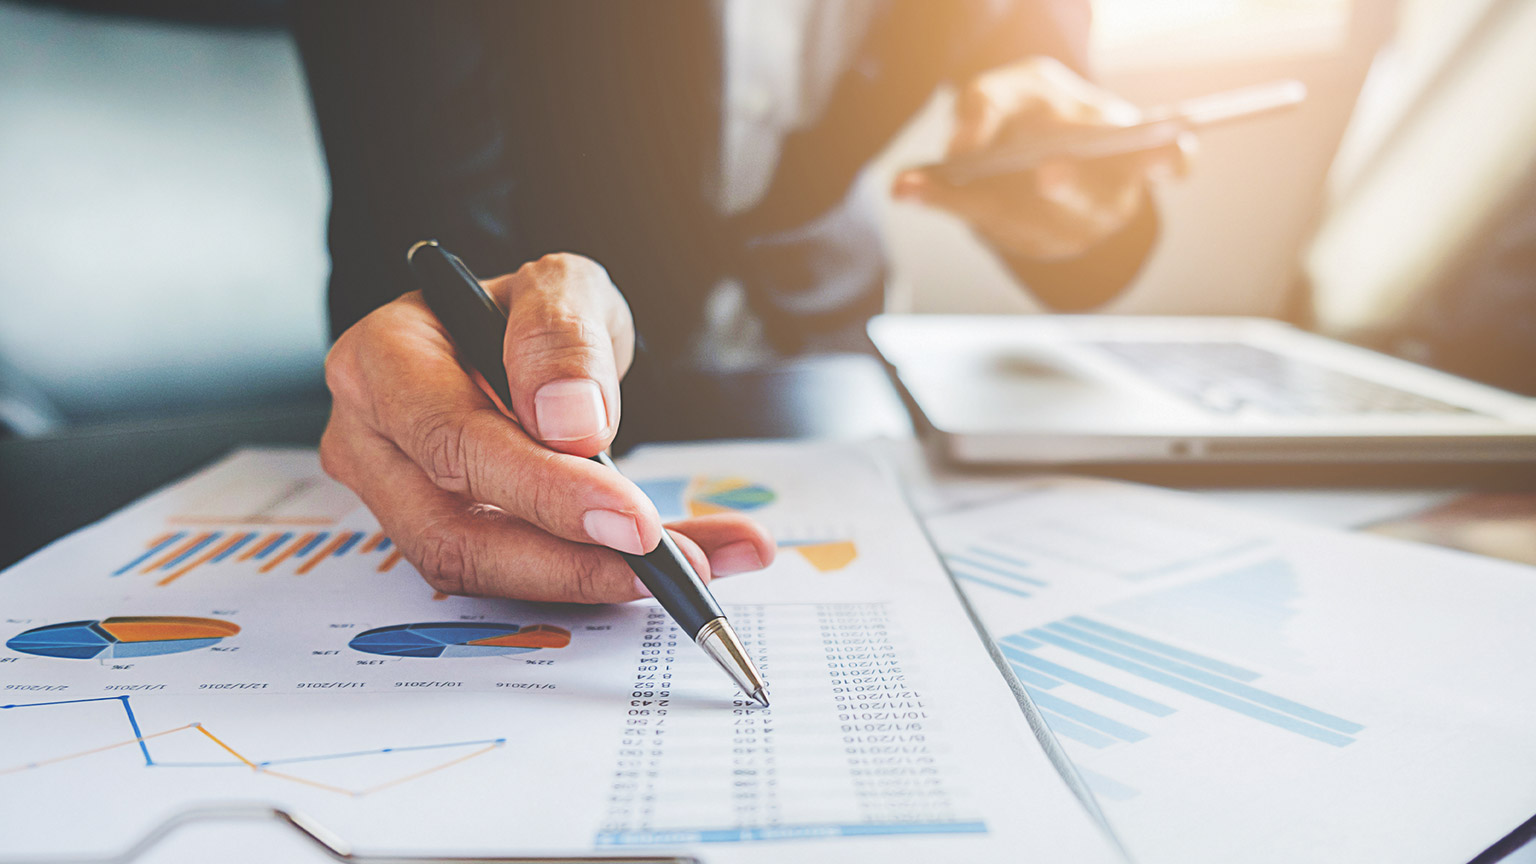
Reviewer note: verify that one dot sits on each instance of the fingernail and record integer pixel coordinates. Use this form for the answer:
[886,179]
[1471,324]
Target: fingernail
[738,557]
[641,589]
[570,410]
[614,530]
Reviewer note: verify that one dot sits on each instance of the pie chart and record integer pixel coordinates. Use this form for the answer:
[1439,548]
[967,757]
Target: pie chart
[127,636]
[458,639]
[677,497]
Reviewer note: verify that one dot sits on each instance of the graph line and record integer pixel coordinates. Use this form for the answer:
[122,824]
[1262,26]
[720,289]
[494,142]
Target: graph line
[258,766]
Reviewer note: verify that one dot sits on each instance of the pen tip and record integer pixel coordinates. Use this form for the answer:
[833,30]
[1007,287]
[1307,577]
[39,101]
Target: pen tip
[761,695]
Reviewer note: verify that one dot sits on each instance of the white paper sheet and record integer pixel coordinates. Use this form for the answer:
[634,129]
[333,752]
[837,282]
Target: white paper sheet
[1238,688]
[247,634]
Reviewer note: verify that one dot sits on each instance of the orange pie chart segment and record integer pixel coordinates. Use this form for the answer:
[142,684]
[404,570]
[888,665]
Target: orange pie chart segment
[532,636]
[827,557]
[159,628]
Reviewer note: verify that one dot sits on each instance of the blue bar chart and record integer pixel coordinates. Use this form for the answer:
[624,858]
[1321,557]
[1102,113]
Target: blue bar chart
[995,567]
[1145,679]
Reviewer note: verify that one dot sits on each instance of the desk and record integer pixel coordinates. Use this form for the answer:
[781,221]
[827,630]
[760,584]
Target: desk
[51,486]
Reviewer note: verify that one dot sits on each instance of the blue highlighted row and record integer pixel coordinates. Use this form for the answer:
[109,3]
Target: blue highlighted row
[782,832]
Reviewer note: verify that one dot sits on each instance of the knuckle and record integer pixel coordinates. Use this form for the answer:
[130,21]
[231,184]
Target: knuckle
[444,559]
[332,454]
[541,490]
[589,579]
[342,373]
[439,442]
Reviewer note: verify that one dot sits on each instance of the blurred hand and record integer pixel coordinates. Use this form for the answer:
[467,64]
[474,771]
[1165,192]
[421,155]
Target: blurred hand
[498,500]
[1063,207]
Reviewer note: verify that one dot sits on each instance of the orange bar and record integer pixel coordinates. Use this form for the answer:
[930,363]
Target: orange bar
[283,555]
[201,559]
[392,560]
[373,542]
[325,552]
[171,555]
[158,540]
[257,547]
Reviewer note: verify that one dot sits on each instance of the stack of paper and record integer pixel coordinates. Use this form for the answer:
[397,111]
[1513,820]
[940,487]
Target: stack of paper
[1237,688]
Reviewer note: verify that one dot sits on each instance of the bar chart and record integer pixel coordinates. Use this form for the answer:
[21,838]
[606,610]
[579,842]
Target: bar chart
[1103,685]
[996,567]
[176,554]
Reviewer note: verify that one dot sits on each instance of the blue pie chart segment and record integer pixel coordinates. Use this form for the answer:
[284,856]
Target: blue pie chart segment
[73,640]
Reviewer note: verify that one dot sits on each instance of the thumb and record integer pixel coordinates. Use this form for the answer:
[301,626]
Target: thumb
[569,339]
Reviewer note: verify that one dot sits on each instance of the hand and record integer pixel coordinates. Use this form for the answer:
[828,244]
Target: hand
[1062,208]
[495,500]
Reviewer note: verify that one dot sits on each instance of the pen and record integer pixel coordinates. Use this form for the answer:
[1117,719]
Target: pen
[478,327]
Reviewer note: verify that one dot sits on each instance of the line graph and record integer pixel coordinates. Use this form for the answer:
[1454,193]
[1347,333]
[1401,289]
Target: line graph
[239,759]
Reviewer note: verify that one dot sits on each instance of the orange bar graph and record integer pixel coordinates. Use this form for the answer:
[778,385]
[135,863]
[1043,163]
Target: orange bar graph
[373,542]
[202,559]
[324,553]
[161,539]
[284,555]
[392,560]
[176,552]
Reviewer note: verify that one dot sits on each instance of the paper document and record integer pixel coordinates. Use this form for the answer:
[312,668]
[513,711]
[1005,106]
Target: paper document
[249,634]
[1237,688]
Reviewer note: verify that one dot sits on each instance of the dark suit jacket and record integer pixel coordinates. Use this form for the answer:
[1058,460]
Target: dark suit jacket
[512,129]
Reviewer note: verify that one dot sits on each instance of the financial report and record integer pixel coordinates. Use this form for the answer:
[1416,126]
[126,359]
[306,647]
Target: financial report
[250,634]
[1235,687]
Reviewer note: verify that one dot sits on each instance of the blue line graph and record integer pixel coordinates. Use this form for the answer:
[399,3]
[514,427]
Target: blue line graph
[140,739]
[1096,651]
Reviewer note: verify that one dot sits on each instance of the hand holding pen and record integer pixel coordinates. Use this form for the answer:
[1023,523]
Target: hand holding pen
[502,501]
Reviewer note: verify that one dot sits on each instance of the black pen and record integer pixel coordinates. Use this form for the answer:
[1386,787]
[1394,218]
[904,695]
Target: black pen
[478,327]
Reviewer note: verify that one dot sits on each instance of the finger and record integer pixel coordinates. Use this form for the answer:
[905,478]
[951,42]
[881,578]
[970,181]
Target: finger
[400,376]
[462,547]
[732,543]
[569,337]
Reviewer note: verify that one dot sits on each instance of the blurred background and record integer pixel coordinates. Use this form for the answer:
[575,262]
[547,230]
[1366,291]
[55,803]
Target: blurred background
[163,196]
